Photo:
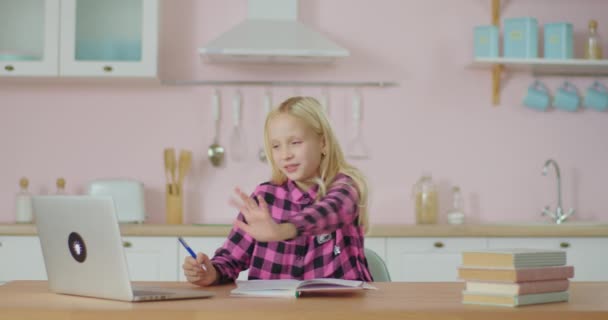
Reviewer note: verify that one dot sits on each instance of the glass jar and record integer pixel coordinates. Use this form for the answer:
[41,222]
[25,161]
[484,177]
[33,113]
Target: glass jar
[426,200]
[593,46]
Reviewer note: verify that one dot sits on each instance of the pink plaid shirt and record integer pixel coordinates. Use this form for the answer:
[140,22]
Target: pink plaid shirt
[329,243]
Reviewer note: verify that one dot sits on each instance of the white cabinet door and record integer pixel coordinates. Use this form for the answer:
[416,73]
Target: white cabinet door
[206,245]
[428,259]
[21,258]
[29,37]
[378,245]
[587,255]
[151,258]
[110,38]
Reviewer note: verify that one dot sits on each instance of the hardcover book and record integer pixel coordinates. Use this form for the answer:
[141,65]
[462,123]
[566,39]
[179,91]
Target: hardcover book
[515,275]
[514,258]
[513,300]
[517,288]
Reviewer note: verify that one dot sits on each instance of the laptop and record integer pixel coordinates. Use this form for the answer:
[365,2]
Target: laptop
[83,253]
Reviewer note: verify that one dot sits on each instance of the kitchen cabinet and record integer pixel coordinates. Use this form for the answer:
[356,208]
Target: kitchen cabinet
[151,258]
[83,38]
[412,259]
[29,38]
[585,254]
[378,245]
[428,259]
[21,258]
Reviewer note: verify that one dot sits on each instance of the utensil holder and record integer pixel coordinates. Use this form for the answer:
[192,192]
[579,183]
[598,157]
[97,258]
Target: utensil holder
[174,202]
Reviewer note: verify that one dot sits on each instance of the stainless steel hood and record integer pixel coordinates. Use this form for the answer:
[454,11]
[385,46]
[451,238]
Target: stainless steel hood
[272,33]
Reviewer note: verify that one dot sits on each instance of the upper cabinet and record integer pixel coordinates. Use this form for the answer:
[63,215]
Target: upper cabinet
[110,38]
[29,37]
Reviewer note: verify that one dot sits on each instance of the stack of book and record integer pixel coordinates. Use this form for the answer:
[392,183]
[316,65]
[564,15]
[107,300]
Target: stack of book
[515,277]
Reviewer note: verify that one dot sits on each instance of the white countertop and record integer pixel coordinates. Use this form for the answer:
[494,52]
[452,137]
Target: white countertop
[439,230]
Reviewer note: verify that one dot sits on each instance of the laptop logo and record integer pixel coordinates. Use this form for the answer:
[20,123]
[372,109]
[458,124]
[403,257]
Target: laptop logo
[77,247]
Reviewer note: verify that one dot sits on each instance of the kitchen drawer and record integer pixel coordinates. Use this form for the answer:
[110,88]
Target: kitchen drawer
[428,259]
[439,244]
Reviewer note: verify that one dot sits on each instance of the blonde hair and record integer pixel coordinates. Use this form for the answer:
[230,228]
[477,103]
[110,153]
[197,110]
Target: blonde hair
[309,110]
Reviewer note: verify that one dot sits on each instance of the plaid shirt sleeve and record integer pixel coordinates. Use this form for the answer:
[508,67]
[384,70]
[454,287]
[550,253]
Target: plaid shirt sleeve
[235,254]
[337,208]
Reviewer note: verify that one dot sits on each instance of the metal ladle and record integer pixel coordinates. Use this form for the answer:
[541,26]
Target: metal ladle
[215,152]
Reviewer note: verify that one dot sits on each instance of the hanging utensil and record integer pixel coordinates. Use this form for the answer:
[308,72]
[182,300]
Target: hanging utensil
[215,152]
[237,146]
[267,108]
[325,101]
[357,148]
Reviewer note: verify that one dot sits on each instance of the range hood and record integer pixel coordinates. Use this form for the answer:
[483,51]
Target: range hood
[272,33]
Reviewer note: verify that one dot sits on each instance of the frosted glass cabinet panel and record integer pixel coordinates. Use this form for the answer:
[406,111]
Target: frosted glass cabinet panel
[29,34]
[109,38]
[109,30]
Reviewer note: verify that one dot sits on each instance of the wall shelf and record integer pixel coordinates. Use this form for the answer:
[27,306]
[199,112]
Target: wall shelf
[540,66]
[536,66]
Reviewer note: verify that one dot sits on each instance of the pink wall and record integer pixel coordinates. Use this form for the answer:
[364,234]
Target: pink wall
[438,120]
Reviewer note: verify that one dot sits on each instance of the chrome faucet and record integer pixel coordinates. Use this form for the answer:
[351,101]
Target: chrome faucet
[558,216]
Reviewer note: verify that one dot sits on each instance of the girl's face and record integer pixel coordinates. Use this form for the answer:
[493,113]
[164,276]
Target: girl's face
[296,149]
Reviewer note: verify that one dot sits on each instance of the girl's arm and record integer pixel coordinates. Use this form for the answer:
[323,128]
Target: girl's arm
[234,255]
[336,209]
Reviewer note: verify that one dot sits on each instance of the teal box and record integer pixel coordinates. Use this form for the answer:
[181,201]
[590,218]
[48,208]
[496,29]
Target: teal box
[521,37]
[558,41]
[486,41]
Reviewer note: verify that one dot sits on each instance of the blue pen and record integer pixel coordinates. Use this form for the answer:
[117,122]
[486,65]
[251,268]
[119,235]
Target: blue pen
[190,251]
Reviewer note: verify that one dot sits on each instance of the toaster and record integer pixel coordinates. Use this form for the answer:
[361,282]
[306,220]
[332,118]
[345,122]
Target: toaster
[128,196]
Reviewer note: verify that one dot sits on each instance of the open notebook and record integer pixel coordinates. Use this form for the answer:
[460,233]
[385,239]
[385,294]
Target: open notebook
[294,288]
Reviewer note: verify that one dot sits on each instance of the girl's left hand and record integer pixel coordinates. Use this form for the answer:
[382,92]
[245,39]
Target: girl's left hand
[260,224]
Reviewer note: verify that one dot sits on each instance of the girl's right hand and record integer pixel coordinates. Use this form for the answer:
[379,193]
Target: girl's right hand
[196,274]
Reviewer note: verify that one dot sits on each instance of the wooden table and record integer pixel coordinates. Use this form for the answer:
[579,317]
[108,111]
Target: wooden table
[397,300]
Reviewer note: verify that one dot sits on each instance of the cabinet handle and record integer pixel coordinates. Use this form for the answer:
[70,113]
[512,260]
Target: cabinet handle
[564,245]
[127,244]
[107,68]
[438,244]
[9,68]
[0,244]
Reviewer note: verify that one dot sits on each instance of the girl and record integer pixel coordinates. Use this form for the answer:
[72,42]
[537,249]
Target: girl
[308,221]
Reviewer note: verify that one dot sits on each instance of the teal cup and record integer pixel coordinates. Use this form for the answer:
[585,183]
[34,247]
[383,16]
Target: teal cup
[596,97]
[538,97]
[566,97]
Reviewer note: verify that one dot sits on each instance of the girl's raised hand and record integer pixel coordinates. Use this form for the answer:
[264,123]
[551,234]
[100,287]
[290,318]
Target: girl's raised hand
[259,224]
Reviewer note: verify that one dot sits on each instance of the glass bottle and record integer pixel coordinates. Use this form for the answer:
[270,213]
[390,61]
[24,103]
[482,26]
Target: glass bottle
[456,213]
[426,200]
[23,203]
[593,46]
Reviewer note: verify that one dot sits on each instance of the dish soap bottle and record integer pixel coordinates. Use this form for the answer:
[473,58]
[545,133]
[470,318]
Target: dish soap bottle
[456,213]
[23,204]
[593,46]
[427,202]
